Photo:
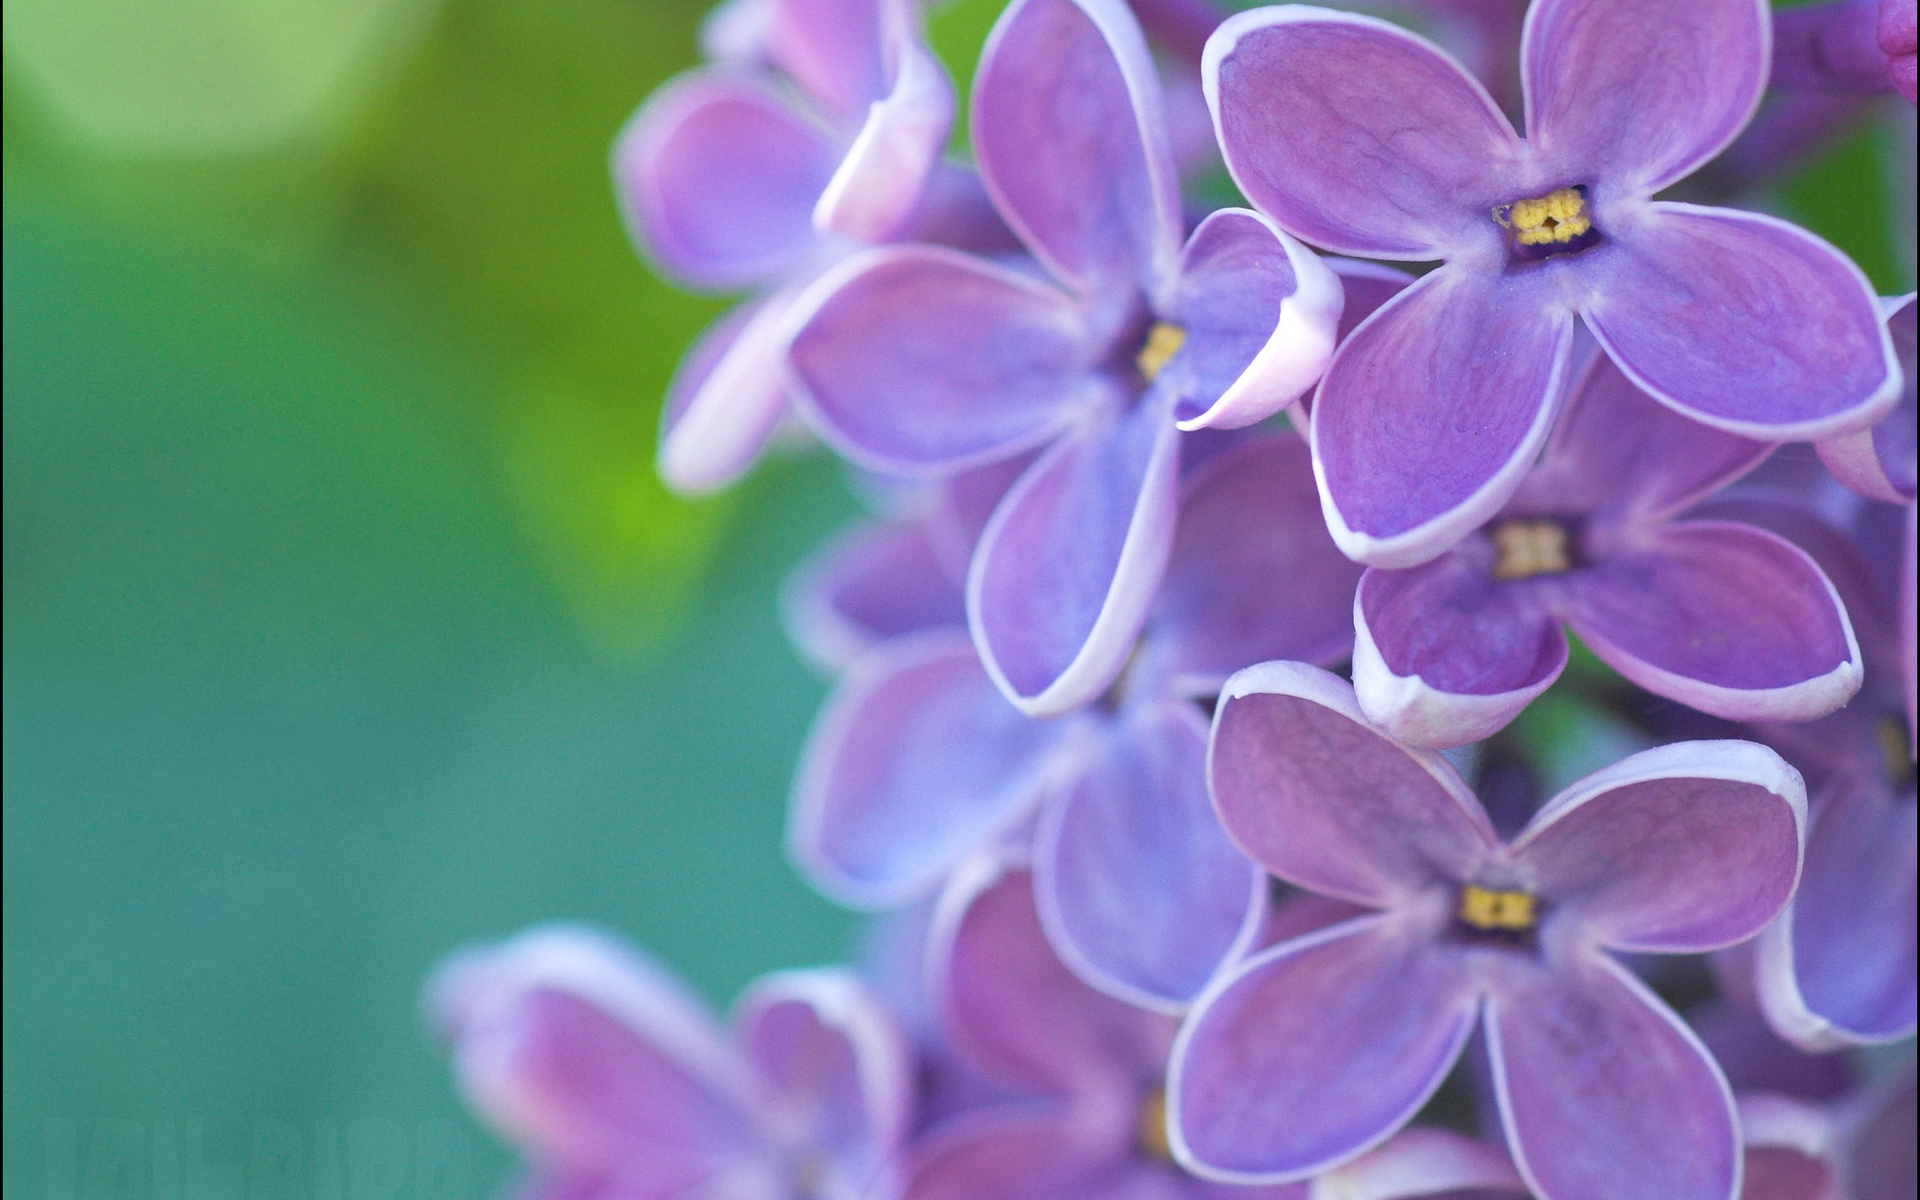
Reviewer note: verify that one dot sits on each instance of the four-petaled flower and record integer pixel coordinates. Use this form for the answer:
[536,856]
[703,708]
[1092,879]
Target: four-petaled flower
[1362,139]
[920,360]
[615,1081]
[1308,1053]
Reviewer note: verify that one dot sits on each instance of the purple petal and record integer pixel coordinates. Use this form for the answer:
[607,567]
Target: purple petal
[880,181]
[1445,655]
[1356,135]
[717,177]
[1009,1154]
[1433,410]
[918,359]
[1755,1059]
[870,584]
[1878,463]
[959,507]
[1742,321]
[1310,1053]
[1618,453]
[833,49]
[1838,967]
[1368,286]
[1320,798]
[1426,1161]
[1723,617]
[1011,1007]
[1605,1094]
[1633,95]
[836,1071]
[588,1055]
[915,760]
[1680,849]
[1254,575]
[1881,1163]
[1141,891]
[1067,568]
[726,399]
[1259,310]
[1071,137]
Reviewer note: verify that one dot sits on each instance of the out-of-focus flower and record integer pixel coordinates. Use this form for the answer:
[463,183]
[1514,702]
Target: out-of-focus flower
[1308,1053]
[1811,1132]
[918,360]
[917,758]
[820,130]
[616,1082]
[1878,463]
[1363,139]
[1845,46]
[1092,1125]
[1724,617]
[1838,966]
[1899,36]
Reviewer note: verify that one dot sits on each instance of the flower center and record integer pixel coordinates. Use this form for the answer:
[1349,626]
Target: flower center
[1497,910]
[1163,342]
[1153,1126]
[1556,223]
[1528,547]
[1895,754]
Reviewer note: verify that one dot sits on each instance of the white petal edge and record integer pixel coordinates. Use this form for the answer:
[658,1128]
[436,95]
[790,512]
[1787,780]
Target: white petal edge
[1803,701]
[1123,613]
[1296,353]
[1418,714]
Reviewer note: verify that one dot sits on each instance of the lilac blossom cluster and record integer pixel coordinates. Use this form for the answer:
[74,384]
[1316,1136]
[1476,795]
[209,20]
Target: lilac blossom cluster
[1167,907]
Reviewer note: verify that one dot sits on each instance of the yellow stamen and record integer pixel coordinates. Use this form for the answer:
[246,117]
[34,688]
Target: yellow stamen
[1153,1127]
[1524,549]
[1488,908]
[1555,218]
[1163,342]
[1896,754]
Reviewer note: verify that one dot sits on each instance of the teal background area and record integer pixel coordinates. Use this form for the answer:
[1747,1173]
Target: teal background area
[345,623]
[289,713]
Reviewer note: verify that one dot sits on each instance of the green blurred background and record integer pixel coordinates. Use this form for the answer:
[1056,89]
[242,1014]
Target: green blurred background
[345,621]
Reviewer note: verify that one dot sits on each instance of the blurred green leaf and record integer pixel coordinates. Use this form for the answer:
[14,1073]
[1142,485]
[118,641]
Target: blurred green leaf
[206,76]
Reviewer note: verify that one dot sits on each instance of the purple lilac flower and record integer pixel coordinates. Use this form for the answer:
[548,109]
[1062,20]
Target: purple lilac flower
[1830,47]
[1812,1131]
[1093,1126]
[821,129]
[615,1081]
[920,360]
[1308,1053]
[1878,463]
[1859,1149]
[1899,35]
[917,757]
[1838,966]
[1363,139]
[1724,617]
